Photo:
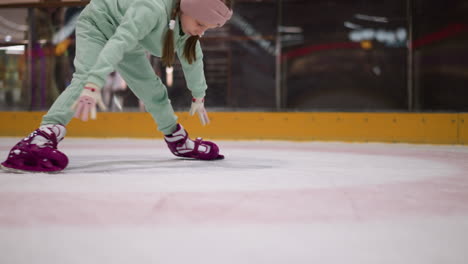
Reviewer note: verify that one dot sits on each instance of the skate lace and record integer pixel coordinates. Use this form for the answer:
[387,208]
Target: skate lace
[51,139]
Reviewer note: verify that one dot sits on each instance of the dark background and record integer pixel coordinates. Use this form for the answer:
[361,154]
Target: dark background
[400,55]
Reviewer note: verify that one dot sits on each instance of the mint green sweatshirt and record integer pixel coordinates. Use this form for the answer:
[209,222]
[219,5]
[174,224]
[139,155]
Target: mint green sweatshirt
[140,24]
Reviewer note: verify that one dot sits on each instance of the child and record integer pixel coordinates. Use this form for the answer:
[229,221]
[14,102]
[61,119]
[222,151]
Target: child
[113,35]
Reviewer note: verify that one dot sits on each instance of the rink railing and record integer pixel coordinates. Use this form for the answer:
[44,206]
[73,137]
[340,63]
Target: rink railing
[434,128]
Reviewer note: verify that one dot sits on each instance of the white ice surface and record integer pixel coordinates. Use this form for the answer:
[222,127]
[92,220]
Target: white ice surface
[131,201]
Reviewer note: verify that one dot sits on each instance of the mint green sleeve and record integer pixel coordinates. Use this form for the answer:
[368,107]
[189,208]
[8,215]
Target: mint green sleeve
[139,20]
[194,74]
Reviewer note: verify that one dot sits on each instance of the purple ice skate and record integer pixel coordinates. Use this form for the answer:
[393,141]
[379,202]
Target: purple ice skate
[182,146]
[38,152]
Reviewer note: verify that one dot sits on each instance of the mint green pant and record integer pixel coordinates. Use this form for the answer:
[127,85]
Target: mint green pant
[135,69]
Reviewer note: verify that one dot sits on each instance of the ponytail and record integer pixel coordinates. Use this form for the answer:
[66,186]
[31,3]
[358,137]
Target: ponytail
[168,55]
[190,49]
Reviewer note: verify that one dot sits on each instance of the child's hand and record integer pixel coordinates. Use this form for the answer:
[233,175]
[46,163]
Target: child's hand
[86,103]
[198,105]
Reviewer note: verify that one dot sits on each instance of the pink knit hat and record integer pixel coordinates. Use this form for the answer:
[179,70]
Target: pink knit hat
[213,12]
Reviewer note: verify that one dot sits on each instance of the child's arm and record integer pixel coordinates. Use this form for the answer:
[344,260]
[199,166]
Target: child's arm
[196,82]
[194,74]
[137,22]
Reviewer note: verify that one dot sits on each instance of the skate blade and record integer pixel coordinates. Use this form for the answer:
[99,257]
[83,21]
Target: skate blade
[220,157]
[17,171]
